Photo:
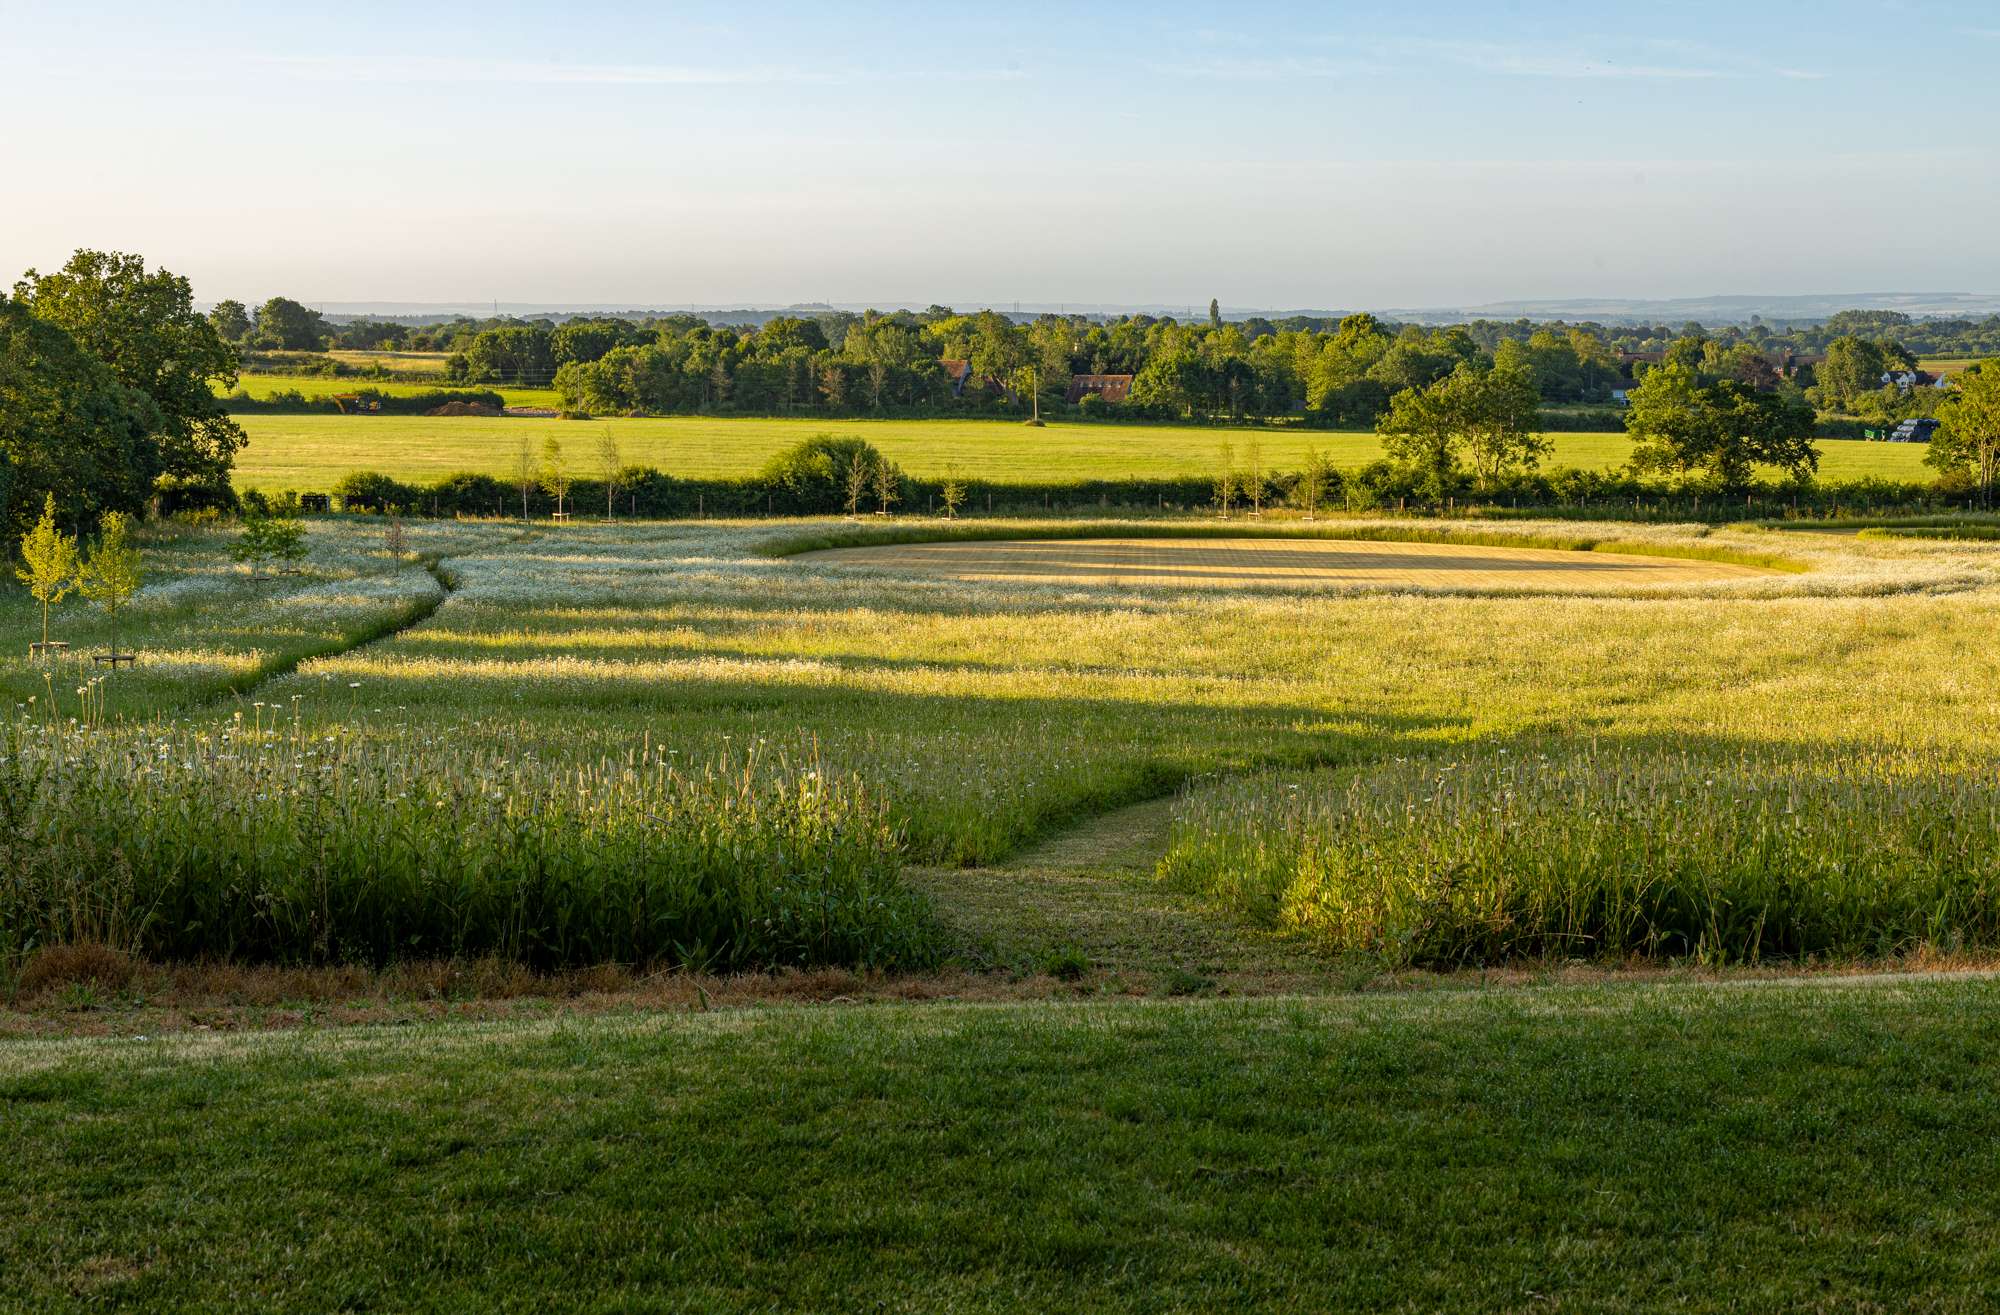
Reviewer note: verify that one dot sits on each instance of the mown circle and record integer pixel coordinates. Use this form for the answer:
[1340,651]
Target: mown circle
[1212,563]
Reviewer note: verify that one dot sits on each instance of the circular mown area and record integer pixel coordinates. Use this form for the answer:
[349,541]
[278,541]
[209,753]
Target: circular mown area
[1208,563]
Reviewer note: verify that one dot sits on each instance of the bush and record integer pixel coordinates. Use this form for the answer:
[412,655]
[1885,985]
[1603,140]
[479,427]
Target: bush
[811,478]
[174,496]
[372,492]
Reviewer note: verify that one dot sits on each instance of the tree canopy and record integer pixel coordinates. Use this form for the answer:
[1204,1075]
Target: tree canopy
[1718,432]
[1968,436]
[69,427]
[142,324]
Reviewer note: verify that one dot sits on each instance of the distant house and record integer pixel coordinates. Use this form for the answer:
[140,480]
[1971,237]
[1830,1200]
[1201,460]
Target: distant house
[1113,388]
[958,372]
[1908,379]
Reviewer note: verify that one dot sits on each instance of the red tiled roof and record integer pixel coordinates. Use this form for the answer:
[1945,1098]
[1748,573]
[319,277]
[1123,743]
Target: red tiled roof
[1110,387]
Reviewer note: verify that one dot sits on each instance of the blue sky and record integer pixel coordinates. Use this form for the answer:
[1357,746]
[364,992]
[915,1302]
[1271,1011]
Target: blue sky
[1331,155]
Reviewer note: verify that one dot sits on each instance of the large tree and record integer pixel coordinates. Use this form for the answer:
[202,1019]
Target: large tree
[285,325]
[68,428]
[231,321]
[1853,366]
[142,324]
[1486,417]
[1717,432]
[1968,437]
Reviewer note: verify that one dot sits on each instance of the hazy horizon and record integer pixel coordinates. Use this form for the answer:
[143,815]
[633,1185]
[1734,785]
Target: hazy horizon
[1356,155]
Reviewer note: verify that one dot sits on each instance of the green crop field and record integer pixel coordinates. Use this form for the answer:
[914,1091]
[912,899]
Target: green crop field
[308,453]
[263,386]
[642,915]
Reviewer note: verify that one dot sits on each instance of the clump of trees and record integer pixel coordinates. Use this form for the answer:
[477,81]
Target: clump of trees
[108,380]
[1967,442]
[1484,418]
[1716,433]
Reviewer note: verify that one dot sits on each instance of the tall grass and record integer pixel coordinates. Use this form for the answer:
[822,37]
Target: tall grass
[1593,851]
[287,846]
[1376,530]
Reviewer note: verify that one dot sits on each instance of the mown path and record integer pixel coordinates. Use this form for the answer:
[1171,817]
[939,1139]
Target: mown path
[1085,903]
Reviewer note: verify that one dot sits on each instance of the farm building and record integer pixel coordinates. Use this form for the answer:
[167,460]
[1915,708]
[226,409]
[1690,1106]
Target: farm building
[1110,387]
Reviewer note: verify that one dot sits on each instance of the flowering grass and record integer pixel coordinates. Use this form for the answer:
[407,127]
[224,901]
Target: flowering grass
[269,843]
[976,717]
[1553,850]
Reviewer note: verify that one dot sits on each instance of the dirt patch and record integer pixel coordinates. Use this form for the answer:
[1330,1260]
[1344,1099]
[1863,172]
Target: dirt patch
[1282,563]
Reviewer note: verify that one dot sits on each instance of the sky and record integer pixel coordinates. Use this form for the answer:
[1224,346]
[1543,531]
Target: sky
[1333,155]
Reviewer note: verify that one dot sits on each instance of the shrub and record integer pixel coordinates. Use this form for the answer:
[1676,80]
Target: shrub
[811,478]
[373,492]
[173,495]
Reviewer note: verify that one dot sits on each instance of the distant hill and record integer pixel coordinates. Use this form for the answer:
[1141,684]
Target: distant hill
[1716,310]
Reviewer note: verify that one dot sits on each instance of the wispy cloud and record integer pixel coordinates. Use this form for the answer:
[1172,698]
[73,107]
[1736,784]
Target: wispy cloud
[1535,62]
[459,69]
[1651,60]
[1272,69]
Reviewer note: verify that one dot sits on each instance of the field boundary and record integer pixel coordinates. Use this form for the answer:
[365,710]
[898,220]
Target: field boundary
[873,536]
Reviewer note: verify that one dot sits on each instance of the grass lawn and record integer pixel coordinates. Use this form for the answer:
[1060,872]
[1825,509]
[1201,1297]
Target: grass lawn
[1614,1148]
[266,385]
[308,453]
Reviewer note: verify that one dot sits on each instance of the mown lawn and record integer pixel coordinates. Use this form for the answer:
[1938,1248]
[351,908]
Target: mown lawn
[1620,1148]
[309,453]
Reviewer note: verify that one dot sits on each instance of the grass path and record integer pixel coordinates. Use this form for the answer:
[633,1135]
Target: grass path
[1084,905]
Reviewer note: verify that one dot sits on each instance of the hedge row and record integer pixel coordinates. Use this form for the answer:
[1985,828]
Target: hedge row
[645,492]
[293,402]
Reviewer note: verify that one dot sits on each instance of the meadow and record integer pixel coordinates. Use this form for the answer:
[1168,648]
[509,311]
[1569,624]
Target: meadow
[308,453]
[761,734]
[646,915]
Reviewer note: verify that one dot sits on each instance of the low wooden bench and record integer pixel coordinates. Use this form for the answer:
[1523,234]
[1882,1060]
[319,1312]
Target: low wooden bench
[38,648]
[113,659]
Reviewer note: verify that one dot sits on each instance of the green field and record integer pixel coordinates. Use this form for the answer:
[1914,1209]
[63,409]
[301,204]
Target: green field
[308,453]
[1620,1149]
[263,386]
[504,857]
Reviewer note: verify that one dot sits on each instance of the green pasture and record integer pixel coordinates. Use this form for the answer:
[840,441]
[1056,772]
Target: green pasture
[308,453]
[264,386]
